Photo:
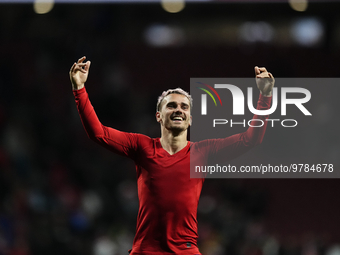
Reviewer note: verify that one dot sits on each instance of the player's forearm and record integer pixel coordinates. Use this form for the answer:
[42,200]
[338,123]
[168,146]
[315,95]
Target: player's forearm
[255,133]
[87,114]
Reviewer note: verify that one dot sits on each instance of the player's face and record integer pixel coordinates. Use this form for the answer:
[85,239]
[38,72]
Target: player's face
[175,112]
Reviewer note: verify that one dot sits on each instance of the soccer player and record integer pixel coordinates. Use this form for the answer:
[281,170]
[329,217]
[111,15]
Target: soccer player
[168,197]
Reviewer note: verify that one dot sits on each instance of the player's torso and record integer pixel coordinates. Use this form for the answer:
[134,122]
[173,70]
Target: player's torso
[168,199]
[166,178]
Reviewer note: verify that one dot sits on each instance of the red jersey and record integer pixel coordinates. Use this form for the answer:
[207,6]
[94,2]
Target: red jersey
[168,197]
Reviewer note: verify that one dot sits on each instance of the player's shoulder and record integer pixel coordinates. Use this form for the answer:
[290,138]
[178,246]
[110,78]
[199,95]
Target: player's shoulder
[144,139]
[203,145]
[147,144]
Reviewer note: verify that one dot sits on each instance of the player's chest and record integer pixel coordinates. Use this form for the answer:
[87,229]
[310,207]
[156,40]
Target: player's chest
[164,167]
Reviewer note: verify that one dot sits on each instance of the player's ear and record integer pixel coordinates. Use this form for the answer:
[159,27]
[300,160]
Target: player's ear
[190,123]
[158,116]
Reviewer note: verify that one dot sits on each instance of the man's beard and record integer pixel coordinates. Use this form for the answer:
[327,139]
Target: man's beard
[177,130]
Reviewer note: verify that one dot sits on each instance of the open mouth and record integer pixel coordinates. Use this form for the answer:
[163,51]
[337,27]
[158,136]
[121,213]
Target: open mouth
[177,118]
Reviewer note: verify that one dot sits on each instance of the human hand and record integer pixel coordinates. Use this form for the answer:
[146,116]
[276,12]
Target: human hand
[79,73]
[265,81]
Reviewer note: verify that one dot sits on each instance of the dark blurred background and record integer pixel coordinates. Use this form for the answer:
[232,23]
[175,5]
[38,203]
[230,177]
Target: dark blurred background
[61,193]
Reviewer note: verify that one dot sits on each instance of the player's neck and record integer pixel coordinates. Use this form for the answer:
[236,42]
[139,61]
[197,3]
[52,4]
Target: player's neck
[173,143]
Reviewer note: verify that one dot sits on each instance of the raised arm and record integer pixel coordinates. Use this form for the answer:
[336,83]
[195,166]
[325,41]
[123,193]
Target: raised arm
[120,142]
[78,76]
[233,146]
[265,82]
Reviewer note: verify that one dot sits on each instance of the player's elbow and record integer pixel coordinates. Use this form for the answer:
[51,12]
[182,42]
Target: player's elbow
[96,134]
[256,142]
[252,143]
[97,138]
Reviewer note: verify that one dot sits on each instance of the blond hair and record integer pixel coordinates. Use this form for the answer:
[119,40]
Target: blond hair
[173,91]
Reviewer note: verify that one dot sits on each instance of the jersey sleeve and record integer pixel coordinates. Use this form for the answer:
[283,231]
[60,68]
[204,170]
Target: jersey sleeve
[122,143]
[225,149]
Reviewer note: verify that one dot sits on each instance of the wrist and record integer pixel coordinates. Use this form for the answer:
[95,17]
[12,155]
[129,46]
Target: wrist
[77,87]
[267,94]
